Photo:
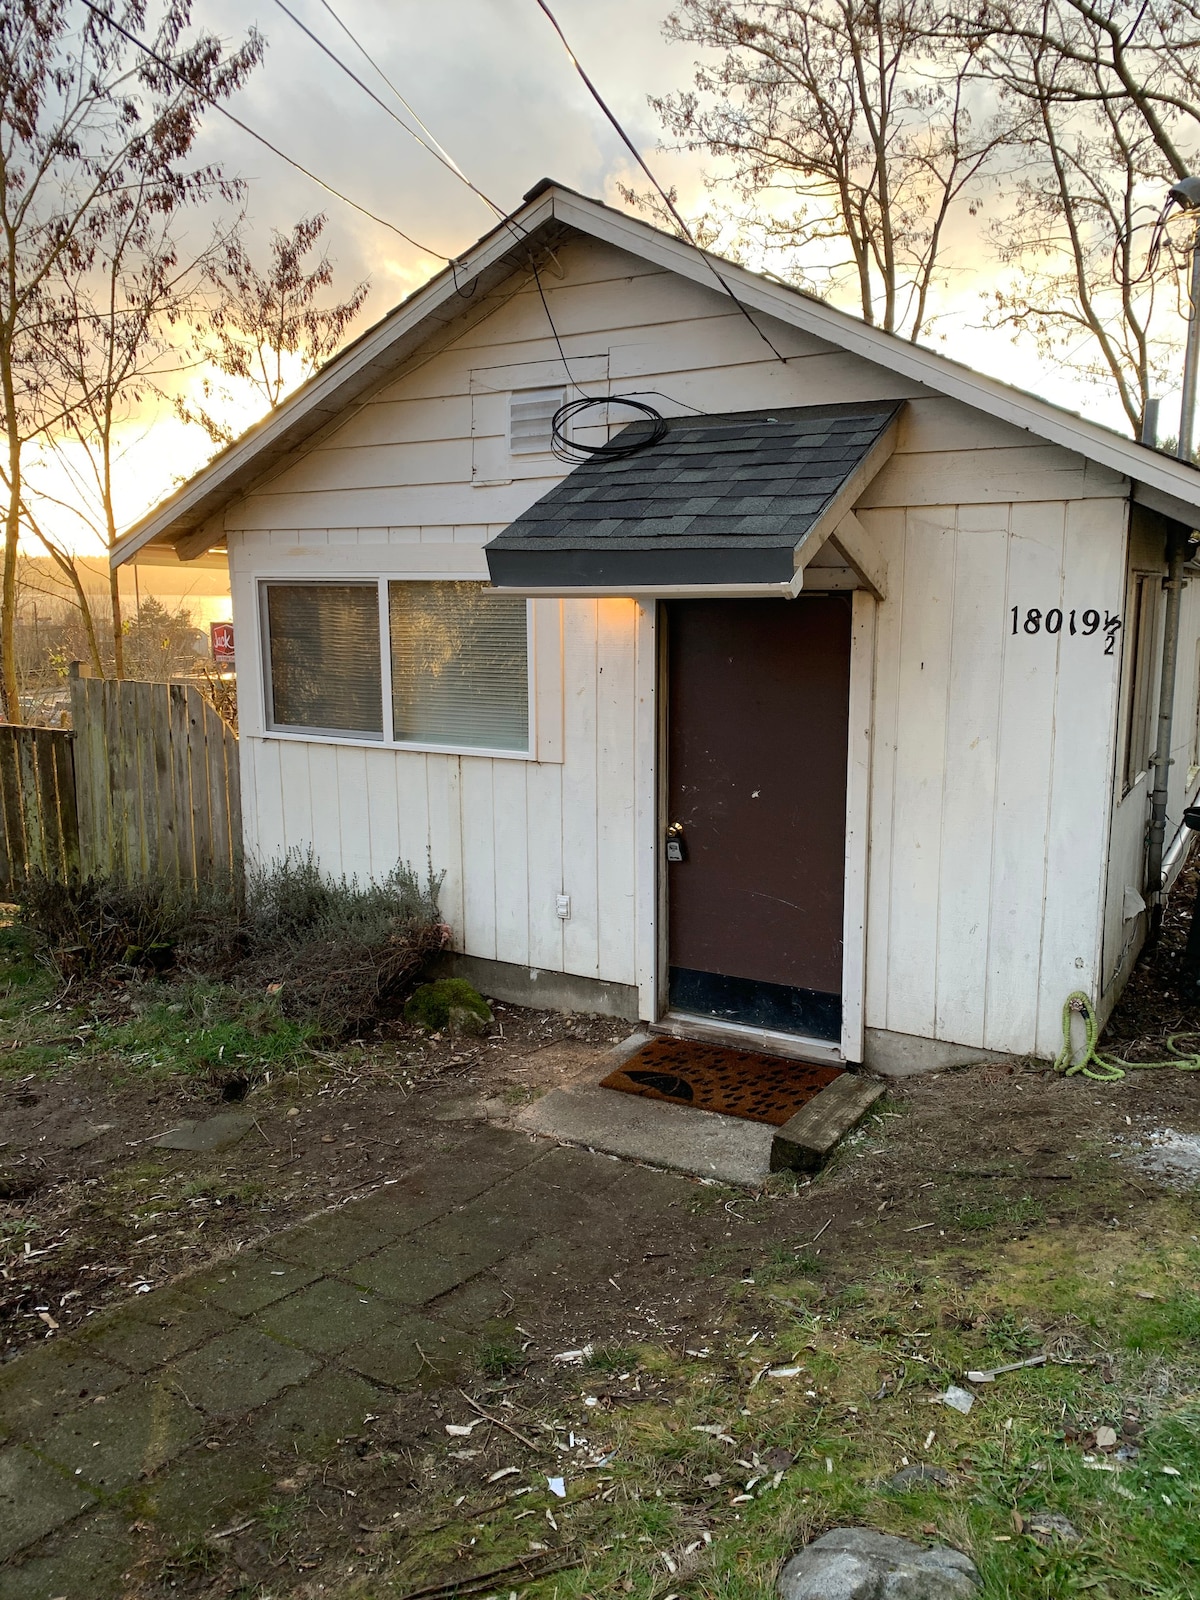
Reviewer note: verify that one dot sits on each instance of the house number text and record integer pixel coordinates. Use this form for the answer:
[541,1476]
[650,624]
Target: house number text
[1072,622]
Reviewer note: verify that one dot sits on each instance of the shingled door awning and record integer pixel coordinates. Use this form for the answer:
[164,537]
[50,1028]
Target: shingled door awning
[734,503]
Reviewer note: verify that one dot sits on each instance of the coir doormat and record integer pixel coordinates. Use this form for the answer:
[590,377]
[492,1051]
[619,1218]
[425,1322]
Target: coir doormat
[711,1077]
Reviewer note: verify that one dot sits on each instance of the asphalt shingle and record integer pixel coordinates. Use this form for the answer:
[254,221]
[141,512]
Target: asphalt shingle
[746,478]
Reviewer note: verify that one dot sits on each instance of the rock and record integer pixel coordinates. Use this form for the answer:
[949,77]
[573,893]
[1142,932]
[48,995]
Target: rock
[464,1024]
[1046,1526]
[910,1477]
[862,1564]
[213,1133]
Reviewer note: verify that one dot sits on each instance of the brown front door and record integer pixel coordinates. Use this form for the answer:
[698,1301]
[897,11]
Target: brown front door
[757,732]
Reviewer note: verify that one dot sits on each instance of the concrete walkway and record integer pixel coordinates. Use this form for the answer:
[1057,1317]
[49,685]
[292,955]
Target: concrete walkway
[294,1341]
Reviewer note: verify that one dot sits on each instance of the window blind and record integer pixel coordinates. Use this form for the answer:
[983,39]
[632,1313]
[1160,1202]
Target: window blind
[326,668]
[460,672]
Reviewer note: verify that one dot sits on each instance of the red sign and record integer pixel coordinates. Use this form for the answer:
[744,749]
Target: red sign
[220,636]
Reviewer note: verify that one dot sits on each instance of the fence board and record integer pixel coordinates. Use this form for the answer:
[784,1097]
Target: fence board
[62,753]
[47,803]
[145,786]
[192,736]
[220,851]
[37,806]
[174,711]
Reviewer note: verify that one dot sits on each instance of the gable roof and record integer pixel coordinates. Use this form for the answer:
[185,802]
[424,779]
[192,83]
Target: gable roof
[718,500]
[550,215]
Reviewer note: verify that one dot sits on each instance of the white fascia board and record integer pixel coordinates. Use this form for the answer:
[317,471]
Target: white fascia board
[652,591]
[1000,400]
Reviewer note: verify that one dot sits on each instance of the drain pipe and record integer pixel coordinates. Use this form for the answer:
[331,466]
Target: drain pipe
[1160,761]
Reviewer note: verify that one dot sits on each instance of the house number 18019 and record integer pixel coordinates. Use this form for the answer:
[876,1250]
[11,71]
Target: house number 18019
[1072,622]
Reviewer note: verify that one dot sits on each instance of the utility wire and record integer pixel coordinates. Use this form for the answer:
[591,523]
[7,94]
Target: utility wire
[374,65]
[663,194]
[658,426]
[229,116]
[435,148]
[437,153]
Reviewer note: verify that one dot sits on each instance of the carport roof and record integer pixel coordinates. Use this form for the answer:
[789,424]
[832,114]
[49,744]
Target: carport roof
[722,499]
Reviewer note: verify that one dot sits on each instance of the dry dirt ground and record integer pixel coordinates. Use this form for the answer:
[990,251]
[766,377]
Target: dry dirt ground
[95,1214]
[953,1174]
[90,1212]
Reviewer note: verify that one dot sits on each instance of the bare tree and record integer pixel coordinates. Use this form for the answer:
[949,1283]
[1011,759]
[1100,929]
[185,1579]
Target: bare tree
[116,343]
[267,330]
[1107,95]
[849,130]
[87,123]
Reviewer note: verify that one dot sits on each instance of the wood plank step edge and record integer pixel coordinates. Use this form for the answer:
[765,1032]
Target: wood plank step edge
[806,1141]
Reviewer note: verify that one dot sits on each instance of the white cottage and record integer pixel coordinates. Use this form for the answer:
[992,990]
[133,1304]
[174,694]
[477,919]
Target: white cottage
[821,714]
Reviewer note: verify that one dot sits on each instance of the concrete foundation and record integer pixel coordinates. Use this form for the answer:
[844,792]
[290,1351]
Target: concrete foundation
[892,1055]
[535,986]
[903,1055]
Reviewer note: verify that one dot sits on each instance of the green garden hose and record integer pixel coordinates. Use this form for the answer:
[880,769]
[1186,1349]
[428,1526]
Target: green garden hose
[1102,1068]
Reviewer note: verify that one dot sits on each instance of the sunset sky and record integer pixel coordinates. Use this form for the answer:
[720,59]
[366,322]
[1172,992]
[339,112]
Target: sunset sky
[495,87]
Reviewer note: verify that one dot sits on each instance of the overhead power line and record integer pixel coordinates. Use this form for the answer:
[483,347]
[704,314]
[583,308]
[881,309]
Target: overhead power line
[433,148]
[375,67]
[662,193]
[182,77]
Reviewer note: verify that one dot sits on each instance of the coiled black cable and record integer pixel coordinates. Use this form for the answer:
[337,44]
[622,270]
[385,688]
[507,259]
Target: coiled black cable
[575,450]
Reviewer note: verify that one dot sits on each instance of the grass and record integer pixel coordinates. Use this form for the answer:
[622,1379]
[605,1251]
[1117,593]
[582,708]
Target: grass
[202,1029]
[188,1028]
[818,1449]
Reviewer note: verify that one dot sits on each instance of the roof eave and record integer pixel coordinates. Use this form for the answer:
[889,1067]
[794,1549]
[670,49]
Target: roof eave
[373,358]
[360,369]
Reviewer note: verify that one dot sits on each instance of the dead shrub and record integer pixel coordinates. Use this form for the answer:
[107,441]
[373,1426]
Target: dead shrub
[330,950]
[341,952]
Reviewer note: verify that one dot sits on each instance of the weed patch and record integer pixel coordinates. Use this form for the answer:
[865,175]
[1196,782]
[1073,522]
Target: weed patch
[798,1420]
[202,1030]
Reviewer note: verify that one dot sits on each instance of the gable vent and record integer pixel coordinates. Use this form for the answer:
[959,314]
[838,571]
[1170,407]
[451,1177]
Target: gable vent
[530,419]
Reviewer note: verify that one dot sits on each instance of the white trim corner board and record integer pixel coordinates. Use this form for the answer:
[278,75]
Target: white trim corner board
[858,817]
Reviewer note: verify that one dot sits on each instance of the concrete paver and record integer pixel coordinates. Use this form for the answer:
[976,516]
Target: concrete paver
[129,1437]
[53,1380]
[156,1328]
[330,1316]
[249,1282]
[116,1434]
[416,1350]
[208,1489]
[307,1421]
[441,1257]
[34,1497]
[237,1371]
[82,1561]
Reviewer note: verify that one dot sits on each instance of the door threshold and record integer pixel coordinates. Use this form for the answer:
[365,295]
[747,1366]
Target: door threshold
[739,1036]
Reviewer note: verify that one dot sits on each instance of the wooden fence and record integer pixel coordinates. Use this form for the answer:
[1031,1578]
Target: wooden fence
[37,799]
[145,786]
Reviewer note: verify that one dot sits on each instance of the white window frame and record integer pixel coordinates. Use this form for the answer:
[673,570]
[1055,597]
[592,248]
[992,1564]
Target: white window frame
[387,740]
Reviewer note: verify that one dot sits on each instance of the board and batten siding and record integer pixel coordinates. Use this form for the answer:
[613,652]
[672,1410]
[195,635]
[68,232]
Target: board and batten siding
[510,835]
[992,757]
[991,770]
